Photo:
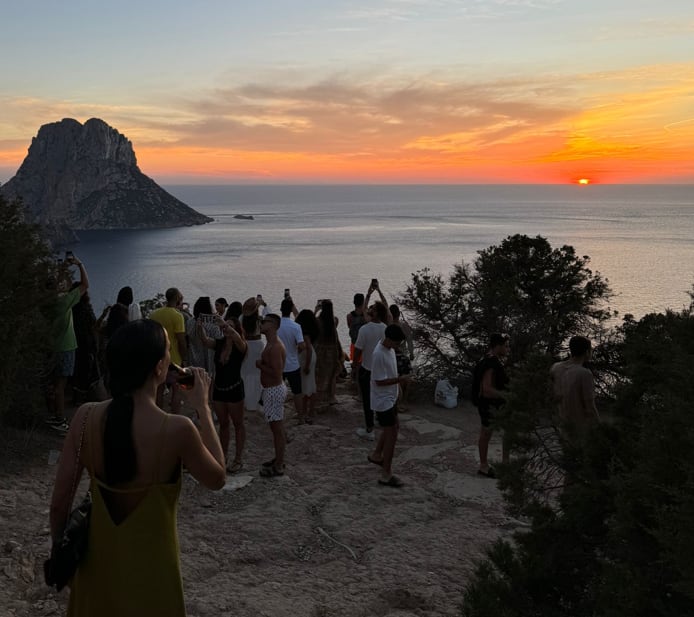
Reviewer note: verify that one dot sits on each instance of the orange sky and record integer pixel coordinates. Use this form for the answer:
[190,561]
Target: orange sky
[385,91]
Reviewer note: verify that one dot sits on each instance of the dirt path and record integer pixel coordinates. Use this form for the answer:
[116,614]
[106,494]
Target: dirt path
[324,540]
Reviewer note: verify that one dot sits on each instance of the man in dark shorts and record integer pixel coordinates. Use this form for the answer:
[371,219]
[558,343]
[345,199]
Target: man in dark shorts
[293,340]
[493,381]
[384,395]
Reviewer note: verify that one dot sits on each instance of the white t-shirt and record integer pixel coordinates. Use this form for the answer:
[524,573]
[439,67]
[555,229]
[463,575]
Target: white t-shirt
[370,335]
[384,366]
[290,334]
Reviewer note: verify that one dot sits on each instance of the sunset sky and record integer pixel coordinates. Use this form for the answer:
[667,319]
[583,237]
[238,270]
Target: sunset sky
[428,91]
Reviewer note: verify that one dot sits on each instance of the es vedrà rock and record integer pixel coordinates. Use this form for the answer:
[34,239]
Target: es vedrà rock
[85,176]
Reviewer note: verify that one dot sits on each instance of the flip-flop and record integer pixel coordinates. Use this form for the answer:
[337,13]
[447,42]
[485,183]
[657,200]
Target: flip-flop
[374,461]
[393,481]
[490,473]
[270,472]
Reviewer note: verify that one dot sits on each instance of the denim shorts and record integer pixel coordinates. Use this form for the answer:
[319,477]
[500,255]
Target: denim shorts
[64,363]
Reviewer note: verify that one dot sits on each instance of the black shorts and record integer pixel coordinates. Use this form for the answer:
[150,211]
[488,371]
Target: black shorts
[486,411]
[386,418]
[294,380]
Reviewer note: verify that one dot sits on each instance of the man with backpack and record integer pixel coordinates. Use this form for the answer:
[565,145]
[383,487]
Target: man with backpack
[488,383]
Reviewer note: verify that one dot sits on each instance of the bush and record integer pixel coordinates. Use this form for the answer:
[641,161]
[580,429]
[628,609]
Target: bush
[614,536]
[26,264]
[523,287]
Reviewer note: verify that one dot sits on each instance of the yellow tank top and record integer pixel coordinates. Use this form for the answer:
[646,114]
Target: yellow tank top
[131,568]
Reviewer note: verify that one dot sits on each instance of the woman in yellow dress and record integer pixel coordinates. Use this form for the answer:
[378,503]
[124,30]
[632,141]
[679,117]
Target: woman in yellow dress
[133,452]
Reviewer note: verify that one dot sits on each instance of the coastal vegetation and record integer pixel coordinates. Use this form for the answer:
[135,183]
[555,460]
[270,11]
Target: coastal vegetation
[538,295]
[611,529]
[26,265]
[610,517]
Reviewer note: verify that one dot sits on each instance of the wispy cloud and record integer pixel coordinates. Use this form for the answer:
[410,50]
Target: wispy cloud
[422,125]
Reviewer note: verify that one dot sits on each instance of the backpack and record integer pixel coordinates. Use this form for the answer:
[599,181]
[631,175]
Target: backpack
[476,389]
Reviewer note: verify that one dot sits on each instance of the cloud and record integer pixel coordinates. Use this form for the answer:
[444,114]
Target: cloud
[426,125]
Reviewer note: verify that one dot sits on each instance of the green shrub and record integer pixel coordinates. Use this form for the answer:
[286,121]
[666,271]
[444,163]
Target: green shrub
[26,263]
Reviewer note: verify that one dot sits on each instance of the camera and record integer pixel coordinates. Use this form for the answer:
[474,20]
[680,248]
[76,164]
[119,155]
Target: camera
[69,255]
[286,292]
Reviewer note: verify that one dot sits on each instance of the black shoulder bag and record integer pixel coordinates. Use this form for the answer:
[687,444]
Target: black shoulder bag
[68,551]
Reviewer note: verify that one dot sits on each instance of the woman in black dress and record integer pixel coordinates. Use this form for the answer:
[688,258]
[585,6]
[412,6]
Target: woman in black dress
[227,390]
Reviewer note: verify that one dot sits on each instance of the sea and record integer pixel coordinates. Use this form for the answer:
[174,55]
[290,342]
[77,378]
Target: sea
[328,241]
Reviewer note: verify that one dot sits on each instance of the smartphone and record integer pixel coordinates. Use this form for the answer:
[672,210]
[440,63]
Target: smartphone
[286,292]
[374,283]
[185,377]
[69,255]
[259,298]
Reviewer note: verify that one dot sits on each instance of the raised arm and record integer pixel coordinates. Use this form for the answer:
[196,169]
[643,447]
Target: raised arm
[202,335]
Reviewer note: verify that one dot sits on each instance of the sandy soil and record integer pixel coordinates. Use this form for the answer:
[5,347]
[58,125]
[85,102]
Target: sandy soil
[324,540]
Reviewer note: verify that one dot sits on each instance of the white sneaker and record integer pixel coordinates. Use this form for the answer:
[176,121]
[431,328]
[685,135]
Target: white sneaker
[61,428]
[362,432]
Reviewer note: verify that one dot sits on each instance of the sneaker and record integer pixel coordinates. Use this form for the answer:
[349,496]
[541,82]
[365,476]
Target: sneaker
[62,427]
[54,420]
[362,432]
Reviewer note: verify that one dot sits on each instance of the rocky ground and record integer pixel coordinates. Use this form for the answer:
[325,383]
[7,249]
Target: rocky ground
[324,540]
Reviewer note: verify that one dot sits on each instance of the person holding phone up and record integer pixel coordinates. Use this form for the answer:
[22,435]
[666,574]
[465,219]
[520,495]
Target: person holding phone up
[63,340]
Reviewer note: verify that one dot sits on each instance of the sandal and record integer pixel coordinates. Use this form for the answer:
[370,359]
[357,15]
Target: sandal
[393,481]
[270,472]
[269,463]
[235,467]
[490,473]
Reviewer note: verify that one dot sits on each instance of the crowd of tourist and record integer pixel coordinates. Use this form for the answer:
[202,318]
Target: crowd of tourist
[242,357]
[242,346]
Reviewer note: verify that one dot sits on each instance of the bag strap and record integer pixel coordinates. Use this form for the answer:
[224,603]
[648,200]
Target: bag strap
[77,464]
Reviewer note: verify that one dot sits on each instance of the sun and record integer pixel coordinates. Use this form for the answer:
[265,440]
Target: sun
[584,181]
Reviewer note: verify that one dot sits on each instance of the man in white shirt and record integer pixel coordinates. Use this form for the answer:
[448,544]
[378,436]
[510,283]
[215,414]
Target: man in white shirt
[370,334]
[293,340]
[384,395]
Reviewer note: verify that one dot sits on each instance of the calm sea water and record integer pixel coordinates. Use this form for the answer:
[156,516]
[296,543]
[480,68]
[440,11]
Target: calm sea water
[329,241]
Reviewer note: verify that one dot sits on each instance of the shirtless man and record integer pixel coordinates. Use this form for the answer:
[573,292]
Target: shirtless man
[271,365]
[574,389]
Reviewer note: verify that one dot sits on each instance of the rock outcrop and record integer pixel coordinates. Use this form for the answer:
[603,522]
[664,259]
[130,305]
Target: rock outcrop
[85,176]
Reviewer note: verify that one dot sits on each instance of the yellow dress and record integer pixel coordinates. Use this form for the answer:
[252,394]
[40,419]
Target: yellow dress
[131,568]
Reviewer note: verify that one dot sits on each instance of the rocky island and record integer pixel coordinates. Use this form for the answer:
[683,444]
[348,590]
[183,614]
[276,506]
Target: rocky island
[85,176]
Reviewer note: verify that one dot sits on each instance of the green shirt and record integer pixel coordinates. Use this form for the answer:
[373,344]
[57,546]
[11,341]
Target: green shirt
[63,331]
